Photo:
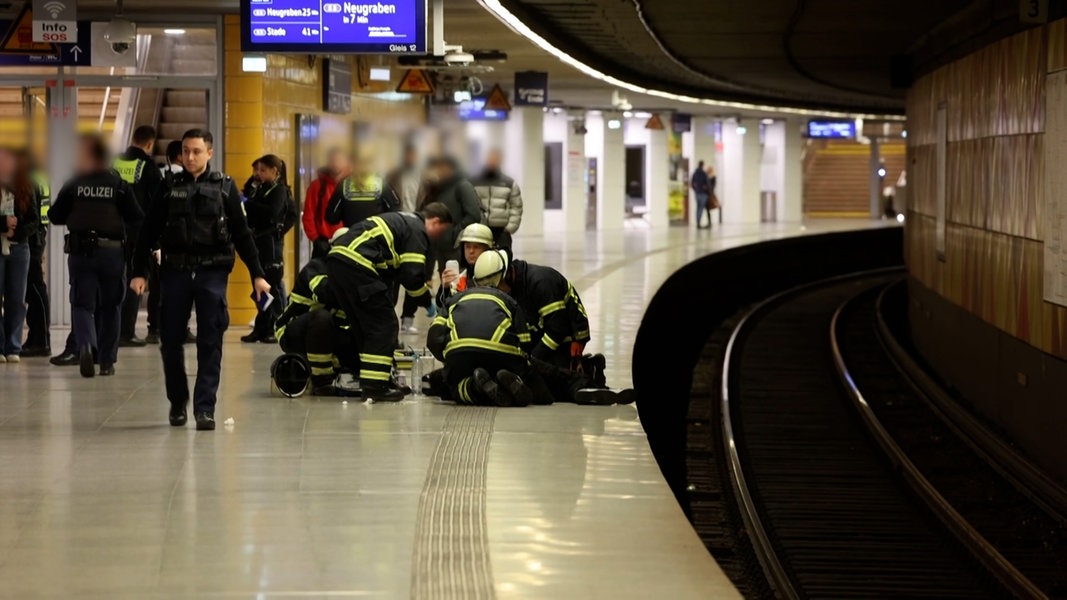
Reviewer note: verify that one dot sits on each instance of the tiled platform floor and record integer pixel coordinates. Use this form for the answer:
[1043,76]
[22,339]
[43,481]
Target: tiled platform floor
[99,498]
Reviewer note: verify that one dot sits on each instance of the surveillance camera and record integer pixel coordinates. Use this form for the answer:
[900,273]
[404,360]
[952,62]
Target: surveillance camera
[121,34]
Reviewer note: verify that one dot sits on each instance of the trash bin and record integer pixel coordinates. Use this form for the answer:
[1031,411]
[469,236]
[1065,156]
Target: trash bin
[768,207]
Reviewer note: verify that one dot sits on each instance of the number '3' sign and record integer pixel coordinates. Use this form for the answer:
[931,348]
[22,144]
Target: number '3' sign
[1033,11]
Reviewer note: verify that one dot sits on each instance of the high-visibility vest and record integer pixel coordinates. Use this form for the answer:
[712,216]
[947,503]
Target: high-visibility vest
[130,170]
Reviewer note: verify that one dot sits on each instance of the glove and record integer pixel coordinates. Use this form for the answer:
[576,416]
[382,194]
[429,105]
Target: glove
[322,245]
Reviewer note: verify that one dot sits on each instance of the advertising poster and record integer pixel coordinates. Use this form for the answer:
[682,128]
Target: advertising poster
[678,178]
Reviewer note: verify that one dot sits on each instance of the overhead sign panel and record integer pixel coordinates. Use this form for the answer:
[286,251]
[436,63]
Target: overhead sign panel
[832,129]
[55,21]
[531,88]
[17,48]
[333,26]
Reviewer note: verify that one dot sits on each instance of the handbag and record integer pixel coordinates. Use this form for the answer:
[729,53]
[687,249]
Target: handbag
[713,202]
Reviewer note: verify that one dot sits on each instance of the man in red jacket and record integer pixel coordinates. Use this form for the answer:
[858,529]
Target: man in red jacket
[316,199]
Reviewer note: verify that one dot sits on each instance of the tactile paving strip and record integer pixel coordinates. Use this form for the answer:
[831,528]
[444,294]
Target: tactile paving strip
[451,543]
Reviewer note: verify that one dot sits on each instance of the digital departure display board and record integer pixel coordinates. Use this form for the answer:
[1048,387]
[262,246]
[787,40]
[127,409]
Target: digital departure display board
[832,129]
[333,27]
[474,110]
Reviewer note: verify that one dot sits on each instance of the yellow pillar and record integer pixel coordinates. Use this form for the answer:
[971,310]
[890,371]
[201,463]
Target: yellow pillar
[244,144]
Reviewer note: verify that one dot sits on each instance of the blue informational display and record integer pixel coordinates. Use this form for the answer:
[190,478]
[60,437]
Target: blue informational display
[832,129]
[474,110]
[333,27]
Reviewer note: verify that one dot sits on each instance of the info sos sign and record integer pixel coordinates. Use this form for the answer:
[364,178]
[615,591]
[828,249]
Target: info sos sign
[56,32]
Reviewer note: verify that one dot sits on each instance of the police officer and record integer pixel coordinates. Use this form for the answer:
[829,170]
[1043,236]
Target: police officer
[362,265]
[136,168]
[38,336]
[359,196]
[197,223]
[313,326]
[97,207]
[479,337]
[265,210]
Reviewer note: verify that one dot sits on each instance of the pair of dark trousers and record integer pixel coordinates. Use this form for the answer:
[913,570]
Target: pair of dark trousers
[180,292]
[317,336]
[369,303]
[97,285]
[38,306]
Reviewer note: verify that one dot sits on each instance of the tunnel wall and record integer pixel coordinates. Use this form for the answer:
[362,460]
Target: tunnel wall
[983,264]
[700,296]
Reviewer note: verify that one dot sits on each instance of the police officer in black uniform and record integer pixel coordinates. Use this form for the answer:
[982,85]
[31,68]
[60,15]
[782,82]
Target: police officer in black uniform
[97,207]
[197,222]
[136,168]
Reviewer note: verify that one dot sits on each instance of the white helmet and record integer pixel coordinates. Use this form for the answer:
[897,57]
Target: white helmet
[490,268]
[476,233]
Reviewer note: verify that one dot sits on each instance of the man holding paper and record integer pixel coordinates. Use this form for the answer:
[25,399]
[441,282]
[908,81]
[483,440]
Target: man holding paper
[198,223]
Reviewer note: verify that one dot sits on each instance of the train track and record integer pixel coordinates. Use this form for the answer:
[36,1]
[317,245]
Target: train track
[825,511]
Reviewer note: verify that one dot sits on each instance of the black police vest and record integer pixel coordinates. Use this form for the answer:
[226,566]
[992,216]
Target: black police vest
[197,231]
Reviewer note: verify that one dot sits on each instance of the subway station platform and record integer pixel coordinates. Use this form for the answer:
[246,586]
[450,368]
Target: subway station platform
[309,498]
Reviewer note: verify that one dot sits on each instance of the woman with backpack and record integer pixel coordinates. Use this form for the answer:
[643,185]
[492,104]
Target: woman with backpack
[271,213]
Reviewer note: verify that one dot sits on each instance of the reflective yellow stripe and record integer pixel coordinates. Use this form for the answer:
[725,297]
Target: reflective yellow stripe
[413,257]
[477,296]
[501,329]
[582,335]
[469,343]
[374,359]
[355,257]
[439,320]
[297,298]
[316,281]
[464,391]
[551,308]
[279,332]
[548,341]
[422,291]
[319,358]
[525,338]
[322,371]
[370,375]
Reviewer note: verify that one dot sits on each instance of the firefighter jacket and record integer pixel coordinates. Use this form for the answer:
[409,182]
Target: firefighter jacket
[391,246]
[480,319]
[554,312]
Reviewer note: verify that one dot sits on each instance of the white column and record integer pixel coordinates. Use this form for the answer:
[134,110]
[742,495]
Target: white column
[791,195]
[611,175]
[740,177]
[658,178]
[524,159]
[62,141]
[575,166]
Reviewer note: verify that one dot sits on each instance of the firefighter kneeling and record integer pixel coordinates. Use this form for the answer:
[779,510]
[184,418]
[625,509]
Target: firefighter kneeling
[479,338]
[312,326]
[482,337]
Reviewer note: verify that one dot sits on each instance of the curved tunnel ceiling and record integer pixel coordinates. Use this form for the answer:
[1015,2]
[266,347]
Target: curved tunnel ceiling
[821,54]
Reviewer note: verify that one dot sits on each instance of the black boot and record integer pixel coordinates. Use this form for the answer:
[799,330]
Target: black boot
[381,392]
[520,393]
[107,369]
[603,397]
[205,422]
[488,388]
[86,363]
[178,416]
[594,365]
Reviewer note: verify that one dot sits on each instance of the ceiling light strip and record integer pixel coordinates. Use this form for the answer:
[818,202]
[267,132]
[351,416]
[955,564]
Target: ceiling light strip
[516,25]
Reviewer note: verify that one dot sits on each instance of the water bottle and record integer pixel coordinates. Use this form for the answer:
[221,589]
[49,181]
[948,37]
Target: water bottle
[416,373]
